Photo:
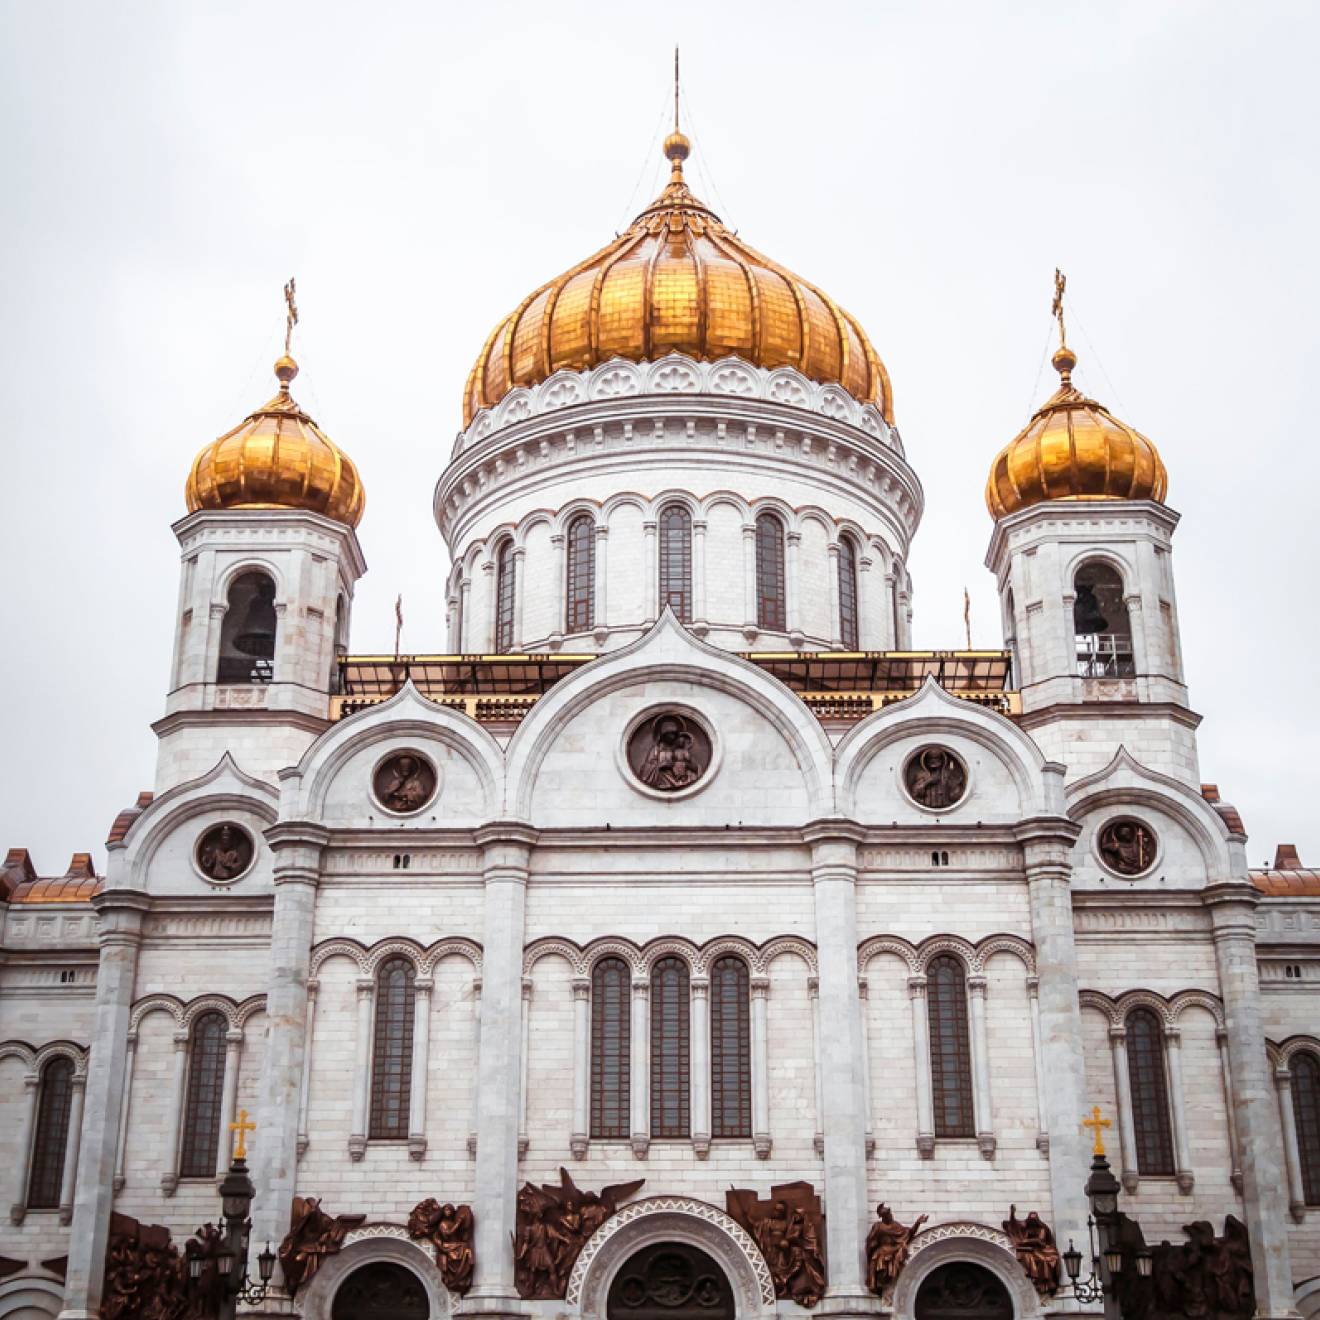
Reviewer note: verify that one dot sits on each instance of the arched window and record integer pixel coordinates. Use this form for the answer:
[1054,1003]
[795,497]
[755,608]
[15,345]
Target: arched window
[770,607]
[1150,1094]
[676,561]
[671,1019]
[848,593]
[200,1146]
[391,1064]
[950,1051]
[580,588]
[730,1049]
[506,573]
[1305,1070]
[1100,623]
[611,1036]
[54,1102]
[247,635]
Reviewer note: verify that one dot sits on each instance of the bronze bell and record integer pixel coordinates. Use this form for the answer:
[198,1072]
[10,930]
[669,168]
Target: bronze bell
[257,636]
[1087,618]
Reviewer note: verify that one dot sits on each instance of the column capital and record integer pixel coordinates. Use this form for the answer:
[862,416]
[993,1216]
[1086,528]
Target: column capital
[234,1037]
[641,989]
[31,1081]
[1282,1076]
[78,1081]
[526,987]
[1118,1034]
[423,985]
[699,985]
[505,831]
[976,985]
[1033,987]
[1172,1034]
[366,986]
[1052,836]
[581,987]
[181,1039]
[834,829]
[759,986]
[916,987]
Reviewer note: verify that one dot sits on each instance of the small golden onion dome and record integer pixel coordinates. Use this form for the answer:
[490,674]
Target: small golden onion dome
[277,458]
[1073,449]
[676,281]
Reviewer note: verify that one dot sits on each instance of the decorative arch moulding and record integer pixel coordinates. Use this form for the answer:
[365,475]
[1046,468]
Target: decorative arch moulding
[368,958]
[1168,1008]
[975,955]
[641,957]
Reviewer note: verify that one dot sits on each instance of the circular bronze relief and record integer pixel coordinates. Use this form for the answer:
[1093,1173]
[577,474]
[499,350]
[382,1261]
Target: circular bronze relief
[404,782]
[224,851]
[669,751]
[1127,846]
[935,777]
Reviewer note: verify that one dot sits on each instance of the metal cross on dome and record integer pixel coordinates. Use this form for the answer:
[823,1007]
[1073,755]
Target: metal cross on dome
[291,316]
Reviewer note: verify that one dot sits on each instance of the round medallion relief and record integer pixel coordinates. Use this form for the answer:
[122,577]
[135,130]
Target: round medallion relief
[935,778]
[1127,846]
[669,752]
[224,851]
[404,782]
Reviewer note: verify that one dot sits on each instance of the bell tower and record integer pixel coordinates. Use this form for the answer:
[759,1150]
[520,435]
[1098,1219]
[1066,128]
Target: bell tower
[270,559]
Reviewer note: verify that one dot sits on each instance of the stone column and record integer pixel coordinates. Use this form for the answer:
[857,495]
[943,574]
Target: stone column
[834,876]
[1047,844]
[813,993]
[476,1059]
[761,1139]
[1232,905]
[492,604]
[121,914]
[639,1068]
[700,624]
[297,847]
[519,591]
[560,554]
[366,1003]
[864,1007]
[793,588]
[121,1142]
[651,587]
[22,1166]
[69,1174]
[1042,1118]
[1292,1156]
[506,853]
[921,1067]
[1127,1127]
[600,605]
[228,1099]
[981,1105]
[526,1054]
[836,625]
[169,1179]
[699,1065]
[464,610]
[580,1136]
[421,1071]
[1226,1071]
[750,626]
[1178,1110]
[305,1090]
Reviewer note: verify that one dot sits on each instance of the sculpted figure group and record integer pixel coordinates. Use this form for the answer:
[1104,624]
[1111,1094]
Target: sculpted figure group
[313,1235]
[887,1246]
[788,1228]
[449,1229]
[1034,1245]
[1204,1278]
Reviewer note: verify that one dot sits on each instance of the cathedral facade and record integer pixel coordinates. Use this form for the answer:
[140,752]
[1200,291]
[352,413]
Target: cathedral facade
[623,960]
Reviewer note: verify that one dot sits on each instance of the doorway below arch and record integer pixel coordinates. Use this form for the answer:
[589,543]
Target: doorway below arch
[669,1281]
[381,1290]
[961,1290]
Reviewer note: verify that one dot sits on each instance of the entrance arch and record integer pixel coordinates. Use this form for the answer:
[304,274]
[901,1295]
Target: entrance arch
[962,1243]
[329,1296]
[962,1290]
[670,1281]
[381,1290]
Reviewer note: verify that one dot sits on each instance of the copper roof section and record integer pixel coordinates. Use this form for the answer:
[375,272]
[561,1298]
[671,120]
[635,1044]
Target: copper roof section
[124,821]
[1226,811]
[1287,878]
[76,885]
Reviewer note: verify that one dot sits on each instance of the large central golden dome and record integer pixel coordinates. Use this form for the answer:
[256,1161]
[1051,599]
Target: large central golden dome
[677,281]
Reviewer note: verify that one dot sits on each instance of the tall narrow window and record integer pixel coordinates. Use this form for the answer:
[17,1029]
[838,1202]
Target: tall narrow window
[611,1036]
[676,561]
[52,1136]
[770,608]
[1150,1094]
[671,1019]
[950,1052]
[458,615]
[580,593]
[1103,631]
[247,635]
[847,593]
[730,1050]
[391,1064]
[201,1111]
[506,572]
[1305,1069]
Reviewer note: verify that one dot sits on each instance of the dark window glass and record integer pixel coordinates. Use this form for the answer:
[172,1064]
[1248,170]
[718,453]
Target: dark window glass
[247,634]
[1150,1093]
[1305,1070]
[671,1019]
[730,1050]
[391,1065]
[770,607]
[847,593]
[52,1136]
[950,1052]
[506,571]
[676,561]
[611,1034]
[206,1084]
[580,597]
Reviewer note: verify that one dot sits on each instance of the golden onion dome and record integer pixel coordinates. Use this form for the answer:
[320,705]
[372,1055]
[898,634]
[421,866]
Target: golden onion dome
[277,458]
[677,281]
[1073,449]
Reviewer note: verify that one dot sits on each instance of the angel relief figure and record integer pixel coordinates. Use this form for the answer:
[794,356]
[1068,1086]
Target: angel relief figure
[449,1228]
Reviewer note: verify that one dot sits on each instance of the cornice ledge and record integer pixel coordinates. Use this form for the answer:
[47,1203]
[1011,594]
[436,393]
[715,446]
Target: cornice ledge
[1036,829]
[837,829]
[1224,892]
[506,831]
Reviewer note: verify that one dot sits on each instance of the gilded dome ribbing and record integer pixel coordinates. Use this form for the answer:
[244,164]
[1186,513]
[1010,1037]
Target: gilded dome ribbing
[1073,449]
[277,458]
[676,281]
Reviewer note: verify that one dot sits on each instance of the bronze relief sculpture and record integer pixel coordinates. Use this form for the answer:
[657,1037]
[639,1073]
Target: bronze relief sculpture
[669,751]
[449,1229]
[224,852]
[404,782]
[313,1235]
[145,1277]
[1206,1276]
[887,1248]
[1127,846]
[788,1228]
[553,1225]
[935,777]
[1035,1248]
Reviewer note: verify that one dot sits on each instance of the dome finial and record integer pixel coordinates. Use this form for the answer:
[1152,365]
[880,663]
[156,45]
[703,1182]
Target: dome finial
[1064,358]
[286,368]
[677,147]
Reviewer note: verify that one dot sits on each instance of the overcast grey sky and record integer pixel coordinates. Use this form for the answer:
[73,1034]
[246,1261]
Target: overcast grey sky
[421,167]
